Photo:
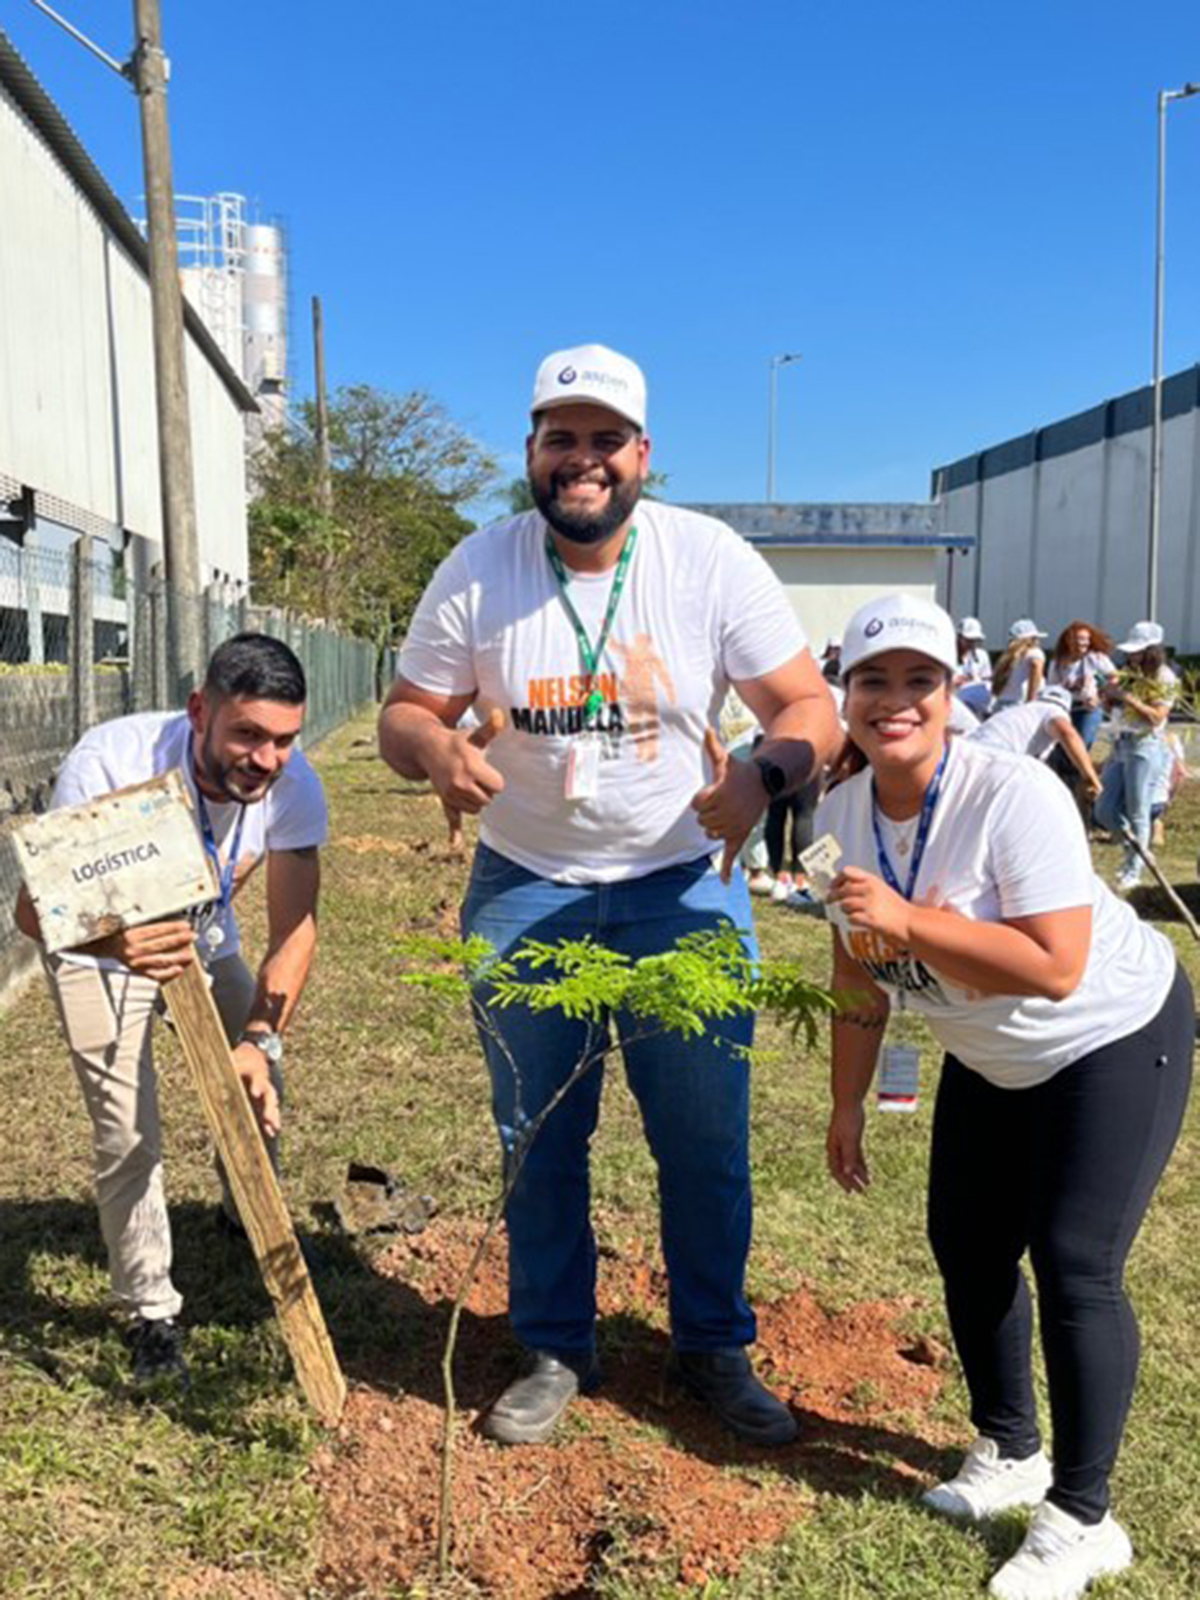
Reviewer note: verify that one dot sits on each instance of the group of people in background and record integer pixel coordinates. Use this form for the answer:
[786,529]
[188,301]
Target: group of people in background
[1055,708]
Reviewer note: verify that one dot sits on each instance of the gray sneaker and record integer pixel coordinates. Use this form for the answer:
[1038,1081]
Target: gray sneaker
[530,1408]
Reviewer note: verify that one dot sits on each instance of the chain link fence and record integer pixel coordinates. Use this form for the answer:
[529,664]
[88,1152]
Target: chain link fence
[82,640]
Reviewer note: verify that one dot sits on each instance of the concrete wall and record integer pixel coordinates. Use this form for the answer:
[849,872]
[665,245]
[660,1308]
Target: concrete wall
[833,557]
[1061,521]
[77,417]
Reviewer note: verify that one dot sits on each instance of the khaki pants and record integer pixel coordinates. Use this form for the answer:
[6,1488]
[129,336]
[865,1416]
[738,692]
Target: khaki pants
[107,1018]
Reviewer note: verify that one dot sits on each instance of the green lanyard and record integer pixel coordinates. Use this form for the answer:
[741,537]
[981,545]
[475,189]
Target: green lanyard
[587,654]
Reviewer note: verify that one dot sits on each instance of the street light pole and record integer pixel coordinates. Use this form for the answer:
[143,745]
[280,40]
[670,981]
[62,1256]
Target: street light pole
[772,398]
[1165,97]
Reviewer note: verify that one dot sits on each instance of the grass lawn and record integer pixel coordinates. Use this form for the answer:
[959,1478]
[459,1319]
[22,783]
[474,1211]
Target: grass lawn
[233,1491]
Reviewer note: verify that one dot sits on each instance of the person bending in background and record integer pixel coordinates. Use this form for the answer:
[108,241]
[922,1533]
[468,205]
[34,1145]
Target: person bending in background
[1020,670]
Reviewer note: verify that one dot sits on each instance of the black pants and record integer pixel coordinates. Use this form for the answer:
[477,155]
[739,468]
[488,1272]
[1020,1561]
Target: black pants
[800,808]
[1064,1170]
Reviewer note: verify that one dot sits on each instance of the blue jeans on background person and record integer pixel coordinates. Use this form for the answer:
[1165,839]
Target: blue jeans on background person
[1086,721]
[1127,793]
[693,1094]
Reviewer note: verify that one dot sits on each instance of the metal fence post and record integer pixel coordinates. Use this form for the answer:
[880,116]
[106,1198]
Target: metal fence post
[81,652]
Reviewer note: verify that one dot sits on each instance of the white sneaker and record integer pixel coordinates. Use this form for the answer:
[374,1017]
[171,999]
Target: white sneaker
[1127,881]
[987,1482]
[1061,1556]
[783,887]
[760,881]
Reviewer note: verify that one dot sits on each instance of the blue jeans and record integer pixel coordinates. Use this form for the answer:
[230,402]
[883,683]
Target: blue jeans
[693,1094]
[1127,792]
[1086,722]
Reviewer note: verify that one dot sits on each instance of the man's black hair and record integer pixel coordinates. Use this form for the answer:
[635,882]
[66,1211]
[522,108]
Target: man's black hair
[254,666]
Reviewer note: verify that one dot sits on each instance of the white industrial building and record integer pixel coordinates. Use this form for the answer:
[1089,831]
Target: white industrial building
[1060,520]
[78,428]
[832,558]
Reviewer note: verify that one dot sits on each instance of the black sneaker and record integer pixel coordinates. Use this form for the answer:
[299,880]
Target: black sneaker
[158,1352]
[531,1407]
[725,1381]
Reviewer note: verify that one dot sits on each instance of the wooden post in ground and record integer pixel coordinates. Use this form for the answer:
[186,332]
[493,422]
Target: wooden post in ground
[136,856]
[1160,878]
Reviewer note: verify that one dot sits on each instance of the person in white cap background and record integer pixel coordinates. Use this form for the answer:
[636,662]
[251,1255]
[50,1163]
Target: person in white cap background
[967,893]
[1140,699]
[1020,671]
[1037,729]
[607,630]
[973,676]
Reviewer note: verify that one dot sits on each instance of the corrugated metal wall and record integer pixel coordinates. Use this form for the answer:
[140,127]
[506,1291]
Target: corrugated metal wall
[77,415]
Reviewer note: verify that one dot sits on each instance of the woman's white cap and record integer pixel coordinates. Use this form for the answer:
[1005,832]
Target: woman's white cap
[899,622]
[1025,628]
[1141,636]
[971,628]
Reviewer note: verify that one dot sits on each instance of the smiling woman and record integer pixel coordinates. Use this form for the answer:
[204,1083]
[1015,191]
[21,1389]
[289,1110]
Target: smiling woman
[968,894]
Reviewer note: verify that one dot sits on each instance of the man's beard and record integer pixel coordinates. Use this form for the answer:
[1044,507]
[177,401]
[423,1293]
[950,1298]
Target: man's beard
[586,527]
[217,774]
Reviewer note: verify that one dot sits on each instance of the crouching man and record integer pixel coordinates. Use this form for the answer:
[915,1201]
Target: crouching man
[256,798]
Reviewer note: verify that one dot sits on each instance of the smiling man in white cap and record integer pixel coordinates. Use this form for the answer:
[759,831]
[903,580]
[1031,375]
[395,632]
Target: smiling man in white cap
[607,630]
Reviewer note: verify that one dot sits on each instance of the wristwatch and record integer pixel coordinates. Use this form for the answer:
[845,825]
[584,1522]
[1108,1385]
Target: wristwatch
[775,779]
[271,1044]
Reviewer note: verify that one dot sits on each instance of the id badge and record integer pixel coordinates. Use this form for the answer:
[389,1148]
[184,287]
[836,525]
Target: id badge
[583,768]
[899,1080]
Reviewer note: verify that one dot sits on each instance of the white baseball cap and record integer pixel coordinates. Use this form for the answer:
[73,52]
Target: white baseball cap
[1141,636]
[1057,695]
[1025,628]
[595,374]
[899,622]
[971,628]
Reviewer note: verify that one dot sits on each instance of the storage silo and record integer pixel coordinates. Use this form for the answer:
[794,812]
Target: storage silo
[264,310]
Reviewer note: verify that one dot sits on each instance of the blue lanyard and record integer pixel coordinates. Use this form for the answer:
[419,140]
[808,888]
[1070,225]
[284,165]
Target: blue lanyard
[224,873]
[922,838]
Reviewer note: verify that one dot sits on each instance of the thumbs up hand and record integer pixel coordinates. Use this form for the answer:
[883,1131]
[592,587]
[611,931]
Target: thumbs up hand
[458,769]
[731,804]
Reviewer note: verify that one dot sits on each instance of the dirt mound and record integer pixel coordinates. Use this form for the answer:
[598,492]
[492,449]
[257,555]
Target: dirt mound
[638,1470]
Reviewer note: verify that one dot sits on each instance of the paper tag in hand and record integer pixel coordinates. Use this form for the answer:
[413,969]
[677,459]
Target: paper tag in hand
[583,768]
[820,864]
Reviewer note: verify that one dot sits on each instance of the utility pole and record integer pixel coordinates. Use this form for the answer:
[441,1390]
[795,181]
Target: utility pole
[324,468]
[180,544]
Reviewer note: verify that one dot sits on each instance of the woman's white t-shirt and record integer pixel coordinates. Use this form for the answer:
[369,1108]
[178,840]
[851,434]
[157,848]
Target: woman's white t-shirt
[1026,730]
[700,607]
[1016,691]
[1129,722]
[1006,841]
[1080,676]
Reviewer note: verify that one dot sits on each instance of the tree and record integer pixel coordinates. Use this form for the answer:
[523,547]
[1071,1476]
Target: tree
[401,469]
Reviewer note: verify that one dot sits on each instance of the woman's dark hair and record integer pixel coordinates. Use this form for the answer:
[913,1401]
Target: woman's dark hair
[1101,641]
[254,666]
[1148,662]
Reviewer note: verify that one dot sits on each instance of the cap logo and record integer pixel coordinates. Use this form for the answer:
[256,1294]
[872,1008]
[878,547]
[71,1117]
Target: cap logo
[567,375]
[873,627]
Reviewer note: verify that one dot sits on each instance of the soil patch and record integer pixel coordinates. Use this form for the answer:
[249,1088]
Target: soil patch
[638,1471]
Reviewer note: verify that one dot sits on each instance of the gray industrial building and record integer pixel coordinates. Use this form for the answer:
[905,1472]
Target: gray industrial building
[1060,520]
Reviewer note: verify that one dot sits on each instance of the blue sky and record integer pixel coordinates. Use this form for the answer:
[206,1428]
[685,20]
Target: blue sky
[947,208]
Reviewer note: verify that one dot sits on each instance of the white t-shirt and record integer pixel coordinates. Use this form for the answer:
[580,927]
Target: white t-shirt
[1026,730]
[1006,841]
[127,750]
[1081,676]
[975,666]
[700,607]
[1016,690]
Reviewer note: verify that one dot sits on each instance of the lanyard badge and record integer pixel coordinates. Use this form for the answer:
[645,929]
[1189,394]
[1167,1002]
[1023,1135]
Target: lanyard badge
[582,779]
[211,930]
[928,806]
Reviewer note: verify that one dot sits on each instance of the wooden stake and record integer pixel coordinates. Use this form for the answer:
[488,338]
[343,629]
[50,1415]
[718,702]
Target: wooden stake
[256,1190]
[1135,844]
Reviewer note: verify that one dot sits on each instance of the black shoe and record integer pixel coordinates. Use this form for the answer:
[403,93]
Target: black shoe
[725,1381]
[529,1409]
[158,1352]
